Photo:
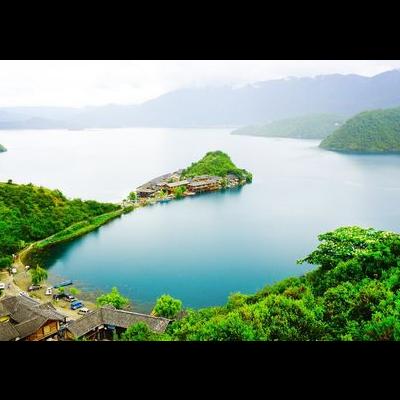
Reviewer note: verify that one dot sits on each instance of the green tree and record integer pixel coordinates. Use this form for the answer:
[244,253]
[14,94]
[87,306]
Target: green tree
[113,298]
[179,191]
[167,307]
[74,291]
[38,275]
[132,196]
[138,332]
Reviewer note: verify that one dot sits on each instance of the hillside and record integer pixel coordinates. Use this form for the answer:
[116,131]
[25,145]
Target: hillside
[2,148]
[29,213]
[353,294]
[216,163]
[316,126]
[225,106]
[376,131]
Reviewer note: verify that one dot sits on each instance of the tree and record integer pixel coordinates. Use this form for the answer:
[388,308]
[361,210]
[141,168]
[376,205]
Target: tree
[179,191]
[113,298]
[38,275]
[167,307]
[138,332]
[132,196]
[74,291]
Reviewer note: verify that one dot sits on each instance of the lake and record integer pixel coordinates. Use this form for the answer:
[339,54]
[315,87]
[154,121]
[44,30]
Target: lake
[203,248]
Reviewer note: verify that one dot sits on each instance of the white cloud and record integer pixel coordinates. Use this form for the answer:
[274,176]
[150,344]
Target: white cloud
[79,83]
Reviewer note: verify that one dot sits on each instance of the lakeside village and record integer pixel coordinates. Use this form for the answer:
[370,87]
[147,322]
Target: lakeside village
[65,317]
[173,185]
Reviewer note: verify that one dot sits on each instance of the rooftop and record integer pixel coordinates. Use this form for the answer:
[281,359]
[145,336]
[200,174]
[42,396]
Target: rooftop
[26,316]
[110,316]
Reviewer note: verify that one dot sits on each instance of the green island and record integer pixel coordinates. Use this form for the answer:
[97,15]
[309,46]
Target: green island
[376,131]
[316,126]
[2,148]
[215,171]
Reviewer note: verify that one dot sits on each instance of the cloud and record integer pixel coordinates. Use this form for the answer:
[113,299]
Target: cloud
[80,83]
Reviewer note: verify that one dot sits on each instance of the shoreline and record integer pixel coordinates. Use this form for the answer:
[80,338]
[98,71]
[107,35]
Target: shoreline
[81,228]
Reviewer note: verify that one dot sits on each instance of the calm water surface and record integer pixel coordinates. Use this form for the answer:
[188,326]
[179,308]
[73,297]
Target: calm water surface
[201,249]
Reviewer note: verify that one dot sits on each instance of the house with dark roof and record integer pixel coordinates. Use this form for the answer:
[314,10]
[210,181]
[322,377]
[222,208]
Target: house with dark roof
[102,323]
[23,318]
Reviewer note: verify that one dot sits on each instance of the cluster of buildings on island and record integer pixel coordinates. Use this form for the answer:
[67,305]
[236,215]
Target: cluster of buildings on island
[168,184]
[23,318]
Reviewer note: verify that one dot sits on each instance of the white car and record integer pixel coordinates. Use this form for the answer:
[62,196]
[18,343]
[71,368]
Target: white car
[2,286]
[24,294]
[83,310]
[14,270]
[49,291]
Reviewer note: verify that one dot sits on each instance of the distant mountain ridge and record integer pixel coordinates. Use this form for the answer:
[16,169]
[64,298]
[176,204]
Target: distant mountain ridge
[261,102]
[315,126]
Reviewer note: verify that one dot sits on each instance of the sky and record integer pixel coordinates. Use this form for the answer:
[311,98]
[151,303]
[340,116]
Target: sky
[80,83]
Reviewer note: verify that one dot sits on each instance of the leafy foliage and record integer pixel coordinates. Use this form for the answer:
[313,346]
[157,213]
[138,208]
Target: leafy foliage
[138,332]
[38,275]
[167,307]
[179,191]
[29,213]
[352,295]
[371,131]
[132,196]
[216,163]
[314,126]
[113,298]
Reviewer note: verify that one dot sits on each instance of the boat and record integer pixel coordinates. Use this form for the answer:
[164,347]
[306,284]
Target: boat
[65,283]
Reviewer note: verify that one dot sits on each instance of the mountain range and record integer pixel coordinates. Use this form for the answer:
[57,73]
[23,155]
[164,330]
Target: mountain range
[260,102]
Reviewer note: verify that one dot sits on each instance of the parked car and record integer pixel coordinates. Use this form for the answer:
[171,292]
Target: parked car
[76,304]
[83,310]
[69,297]
[33,287]
[2,286]
[59,296]
[49,291]
[14,270]
[24,294]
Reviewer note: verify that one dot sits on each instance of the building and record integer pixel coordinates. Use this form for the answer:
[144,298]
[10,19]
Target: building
[102,323]
[173,185]
[205,185]
[22,318]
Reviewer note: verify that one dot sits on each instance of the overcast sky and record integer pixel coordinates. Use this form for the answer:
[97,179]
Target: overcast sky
[80,83]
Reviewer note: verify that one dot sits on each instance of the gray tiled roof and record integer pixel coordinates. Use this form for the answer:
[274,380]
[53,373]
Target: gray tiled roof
[8,332]
[27,315]
[111,316]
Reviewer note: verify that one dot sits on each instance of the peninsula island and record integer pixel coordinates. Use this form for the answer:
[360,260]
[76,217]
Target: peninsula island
[215,171]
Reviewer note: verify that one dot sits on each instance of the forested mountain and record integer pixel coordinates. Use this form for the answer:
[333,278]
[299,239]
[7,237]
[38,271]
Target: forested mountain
[371,131]
[316,126]
[2,148]
[261,102]
[29,213]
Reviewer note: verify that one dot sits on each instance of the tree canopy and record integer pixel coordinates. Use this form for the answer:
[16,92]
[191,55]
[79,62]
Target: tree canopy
[29,213]
[353,294]
[113,298]
[167,307]
[376,131]
[216,163]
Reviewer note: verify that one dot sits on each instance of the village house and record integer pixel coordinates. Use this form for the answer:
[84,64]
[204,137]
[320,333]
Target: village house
[207,184]
[102,323]
[173,185]
[22,318]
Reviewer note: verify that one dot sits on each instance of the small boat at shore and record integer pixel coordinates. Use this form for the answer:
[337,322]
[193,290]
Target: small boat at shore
[65,283]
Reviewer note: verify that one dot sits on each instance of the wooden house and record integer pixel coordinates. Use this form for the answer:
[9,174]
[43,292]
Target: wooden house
[23,318]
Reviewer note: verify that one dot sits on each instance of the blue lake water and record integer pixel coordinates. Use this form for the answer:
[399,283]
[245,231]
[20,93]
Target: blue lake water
[203,248]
